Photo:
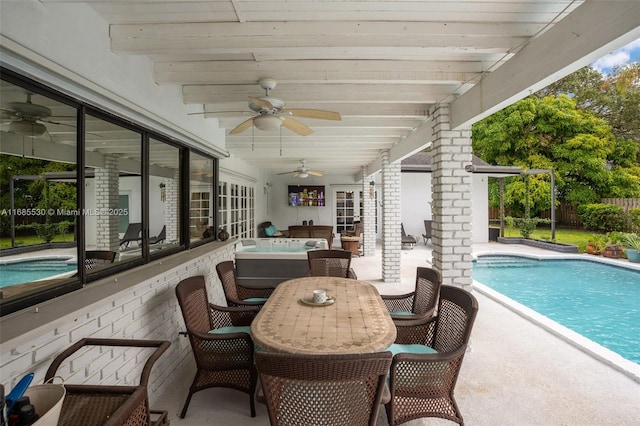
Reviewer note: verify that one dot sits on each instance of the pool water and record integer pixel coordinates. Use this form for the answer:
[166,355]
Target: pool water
[596,300]
[33,270]
[277,249]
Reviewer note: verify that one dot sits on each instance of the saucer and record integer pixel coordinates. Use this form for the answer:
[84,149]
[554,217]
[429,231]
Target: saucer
[309,301]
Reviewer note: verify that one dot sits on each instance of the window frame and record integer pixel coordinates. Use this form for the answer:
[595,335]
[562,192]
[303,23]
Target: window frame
[83,278]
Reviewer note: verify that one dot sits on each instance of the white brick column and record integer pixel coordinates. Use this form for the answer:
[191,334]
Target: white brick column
[172,207]
[369,229]
[451,186]
[107,182]
[391,217]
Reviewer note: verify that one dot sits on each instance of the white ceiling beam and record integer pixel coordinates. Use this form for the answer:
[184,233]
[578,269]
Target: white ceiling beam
[333,93]
[345,123]
[285,33]
[346,109]
[591,31]
[308,72]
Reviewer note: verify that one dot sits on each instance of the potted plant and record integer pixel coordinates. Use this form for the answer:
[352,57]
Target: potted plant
[613,248]
[631,243]
[596,244]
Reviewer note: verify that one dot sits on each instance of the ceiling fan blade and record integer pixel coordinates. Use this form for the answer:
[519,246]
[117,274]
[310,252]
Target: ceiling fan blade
[57,123]
[313,113]
[315,172]
[296,126]
[242,126]
[261,102]
[287,173]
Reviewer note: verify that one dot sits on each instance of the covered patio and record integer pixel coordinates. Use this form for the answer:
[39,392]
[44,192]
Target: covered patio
[516,373]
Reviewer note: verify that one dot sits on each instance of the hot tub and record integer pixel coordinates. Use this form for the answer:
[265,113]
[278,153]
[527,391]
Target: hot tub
[269,261]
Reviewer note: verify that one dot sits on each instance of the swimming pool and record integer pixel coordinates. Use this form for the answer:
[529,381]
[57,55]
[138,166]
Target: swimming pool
[599,301]
[26,270]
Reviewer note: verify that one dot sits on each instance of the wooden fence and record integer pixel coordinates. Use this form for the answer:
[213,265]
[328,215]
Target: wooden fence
[567,215]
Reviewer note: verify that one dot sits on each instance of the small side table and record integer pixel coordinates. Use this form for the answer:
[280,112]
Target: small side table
[351,244]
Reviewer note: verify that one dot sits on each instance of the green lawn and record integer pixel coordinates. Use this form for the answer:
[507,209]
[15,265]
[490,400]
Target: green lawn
[576,237]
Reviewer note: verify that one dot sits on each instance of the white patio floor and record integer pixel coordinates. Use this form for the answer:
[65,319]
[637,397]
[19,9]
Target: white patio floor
[516,373]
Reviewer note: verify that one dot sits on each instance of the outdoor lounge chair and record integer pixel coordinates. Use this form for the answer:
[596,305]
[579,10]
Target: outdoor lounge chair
[236,294]
[427,231]
[407,239]
[133,233]
[220,340]
[427,360]
[98,258]
[330,263]
[421,302]
[323,389]
[160,237]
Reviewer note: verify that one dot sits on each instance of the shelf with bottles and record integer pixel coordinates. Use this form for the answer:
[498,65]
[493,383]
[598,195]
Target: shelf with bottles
[306,196]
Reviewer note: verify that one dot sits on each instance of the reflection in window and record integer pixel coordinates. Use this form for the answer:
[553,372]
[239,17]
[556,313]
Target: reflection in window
[113,184]
[38,192]
[164,195]
[201,197]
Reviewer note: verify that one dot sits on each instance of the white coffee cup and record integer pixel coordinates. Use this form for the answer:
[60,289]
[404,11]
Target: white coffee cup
[319,296]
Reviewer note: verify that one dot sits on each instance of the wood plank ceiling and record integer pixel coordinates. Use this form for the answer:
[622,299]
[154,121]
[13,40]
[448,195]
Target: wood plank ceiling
[380,64]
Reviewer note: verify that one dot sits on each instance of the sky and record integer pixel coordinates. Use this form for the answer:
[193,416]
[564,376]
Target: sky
[622,56]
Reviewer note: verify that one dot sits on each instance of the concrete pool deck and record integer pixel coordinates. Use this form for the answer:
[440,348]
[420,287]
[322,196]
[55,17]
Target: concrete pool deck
[516,373]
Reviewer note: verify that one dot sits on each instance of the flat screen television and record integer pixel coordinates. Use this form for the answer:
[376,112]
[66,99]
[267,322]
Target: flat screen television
[306,196]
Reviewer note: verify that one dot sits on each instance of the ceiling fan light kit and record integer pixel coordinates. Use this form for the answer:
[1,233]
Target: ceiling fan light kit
[267,122]
[27,128]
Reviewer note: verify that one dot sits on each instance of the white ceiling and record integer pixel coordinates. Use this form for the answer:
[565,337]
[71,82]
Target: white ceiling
[380,64]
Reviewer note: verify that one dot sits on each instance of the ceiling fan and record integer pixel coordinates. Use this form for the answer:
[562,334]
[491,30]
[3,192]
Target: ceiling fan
[272,115]
[303,171]
[27,118]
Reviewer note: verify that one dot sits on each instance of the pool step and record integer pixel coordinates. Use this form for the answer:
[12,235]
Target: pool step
[505,262]
[52,265]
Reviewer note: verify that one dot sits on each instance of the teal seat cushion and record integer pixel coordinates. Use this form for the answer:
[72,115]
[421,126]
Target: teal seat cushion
[270,231]
[403,313]
[396,349]
[255,299]
[232,329]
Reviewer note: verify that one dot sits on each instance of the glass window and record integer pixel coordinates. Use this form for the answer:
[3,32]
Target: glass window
[201,195]
[113,192]
[164,195]
[38,193]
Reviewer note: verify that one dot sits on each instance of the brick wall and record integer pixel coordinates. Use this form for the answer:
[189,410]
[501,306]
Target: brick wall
[107,181]
[369,229]
[147,310]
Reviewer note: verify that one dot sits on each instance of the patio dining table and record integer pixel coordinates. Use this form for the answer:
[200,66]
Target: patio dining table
[356,322]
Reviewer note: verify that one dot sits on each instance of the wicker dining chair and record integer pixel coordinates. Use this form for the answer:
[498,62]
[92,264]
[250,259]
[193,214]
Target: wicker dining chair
[425,367]
[97,258]
[220,340]
[330,263]
[421,302]
[323,389]
[237,294]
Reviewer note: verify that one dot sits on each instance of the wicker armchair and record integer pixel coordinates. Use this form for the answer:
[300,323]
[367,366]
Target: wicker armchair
[108,405]
[420,303]
[236,294]
[330,263]
[323,389]
[98,258]
[220,341]
[425,369]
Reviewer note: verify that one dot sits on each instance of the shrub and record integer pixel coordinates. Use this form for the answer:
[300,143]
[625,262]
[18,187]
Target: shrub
[526,225]
[47,231]
[634,215]
[602,217]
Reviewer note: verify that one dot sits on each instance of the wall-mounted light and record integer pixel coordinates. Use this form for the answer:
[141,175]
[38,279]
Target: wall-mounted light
[372,190]
[163,192]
